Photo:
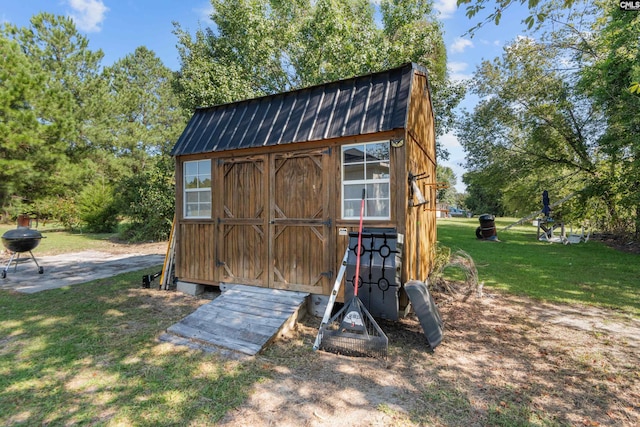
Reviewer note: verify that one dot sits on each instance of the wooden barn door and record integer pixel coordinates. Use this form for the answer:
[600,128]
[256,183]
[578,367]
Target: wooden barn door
[299,221]
[243,222]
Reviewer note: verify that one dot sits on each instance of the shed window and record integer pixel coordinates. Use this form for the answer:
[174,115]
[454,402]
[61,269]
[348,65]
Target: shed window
[366,166]
[197,189]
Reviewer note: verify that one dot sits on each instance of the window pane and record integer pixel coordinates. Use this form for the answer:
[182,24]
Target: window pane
[378,151]
[353,154]
[205,196]
[353,192]
[205,210]
[204,182]
[378,170]
[192,197]
[352,209]
[204,167]
[191,182]
[354,172]
[372,172]
[378,208]
[378,191]
[192,209]
[190,168]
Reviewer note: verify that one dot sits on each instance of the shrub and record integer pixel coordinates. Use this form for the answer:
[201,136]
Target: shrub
[148,200]
[97,208]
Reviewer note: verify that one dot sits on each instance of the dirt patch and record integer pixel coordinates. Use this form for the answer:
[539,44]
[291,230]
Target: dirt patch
[504,360]
[116,246]
[621,243]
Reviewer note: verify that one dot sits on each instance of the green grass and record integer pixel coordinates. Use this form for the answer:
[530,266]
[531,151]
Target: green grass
[86,354]
[586,273]
[57,242]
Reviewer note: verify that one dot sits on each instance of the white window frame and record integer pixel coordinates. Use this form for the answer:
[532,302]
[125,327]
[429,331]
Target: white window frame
[201,177]
[364,182]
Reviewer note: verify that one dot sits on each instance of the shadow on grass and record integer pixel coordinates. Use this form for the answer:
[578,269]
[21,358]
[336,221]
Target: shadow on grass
[496,366]
[87,354]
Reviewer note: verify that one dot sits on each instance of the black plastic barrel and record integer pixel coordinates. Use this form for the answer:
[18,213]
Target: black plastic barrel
[487,227]
[380,268]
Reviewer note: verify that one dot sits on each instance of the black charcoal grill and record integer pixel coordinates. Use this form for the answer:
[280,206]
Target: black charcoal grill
[20,240]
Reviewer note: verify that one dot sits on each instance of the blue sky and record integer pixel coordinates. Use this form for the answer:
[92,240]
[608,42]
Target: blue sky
[119,26]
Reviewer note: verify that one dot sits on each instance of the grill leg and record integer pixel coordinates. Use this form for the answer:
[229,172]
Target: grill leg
[6,268]
[16,256]
[40,269]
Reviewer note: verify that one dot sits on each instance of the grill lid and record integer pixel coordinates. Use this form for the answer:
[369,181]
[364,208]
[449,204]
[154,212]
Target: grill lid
[22,233]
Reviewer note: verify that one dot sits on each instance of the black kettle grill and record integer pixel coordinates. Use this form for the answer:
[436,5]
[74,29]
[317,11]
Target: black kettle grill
[19,240]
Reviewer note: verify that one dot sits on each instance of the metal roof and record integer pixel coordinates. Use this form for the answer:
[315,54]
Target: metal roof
[360,105]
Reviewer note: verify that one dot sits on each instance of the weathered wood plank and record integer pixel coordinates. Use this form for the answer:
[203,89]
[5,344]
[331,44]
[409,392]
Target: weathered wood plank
[226,315]
[252,306]
[263,291]
[252,301]
[235,321]
[242,309]
[241,320]
[215,339]
[227,330]
[267,299]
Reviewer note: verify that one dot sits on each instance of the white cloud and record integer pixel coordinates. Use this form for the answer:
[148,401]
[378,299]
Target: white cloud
[491,42]
[456,67]
[446,7]
[460,44]
[204,12]
[450,141]
[88,14]
[456,71]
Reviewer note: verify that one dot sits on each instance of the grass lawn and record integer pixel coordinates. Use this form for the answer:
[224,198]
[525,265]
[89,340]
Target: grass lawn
[86,354]
[58,242]
[586,273]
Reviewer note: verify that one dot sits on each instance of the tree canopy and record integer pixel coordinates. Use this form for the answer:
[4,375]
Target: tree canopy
[70,129]
[84,143]
[555,115]
[260,47]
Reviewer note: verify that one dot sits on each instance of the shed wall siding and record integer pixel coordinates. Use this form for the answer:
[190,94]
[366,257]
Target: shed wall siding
[276,209]
[421,159]
[246,194]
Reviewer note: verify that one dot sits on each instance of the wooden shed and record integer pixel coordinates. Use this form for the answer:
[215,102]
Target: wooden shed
[268,188]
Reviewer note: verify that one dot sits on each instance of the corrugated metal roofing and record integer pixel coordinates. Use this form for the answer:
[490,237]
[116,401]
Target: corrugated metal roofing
[366,104]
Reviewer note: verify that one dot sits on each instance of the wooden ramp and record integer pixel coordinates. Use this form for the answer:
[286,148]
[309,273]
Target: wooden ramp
[243,319]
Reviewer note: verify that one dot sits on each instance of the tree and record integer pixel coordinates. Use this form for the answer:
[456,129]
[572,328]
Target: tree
[67,106]
[22,149]
[533,130]
[73,131]
[261,47]
[146,123]
[146,119]
[554,116]
[147,199]
[611,65]
[448,195]
[481,198]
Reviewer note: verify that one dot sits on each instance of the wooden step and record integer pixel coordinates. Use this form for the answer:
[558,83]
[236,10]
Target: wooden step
[242,319]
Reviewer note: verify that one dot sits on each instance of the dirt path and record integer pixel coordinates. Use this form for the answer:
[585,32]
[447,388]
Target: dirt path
[504,361]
